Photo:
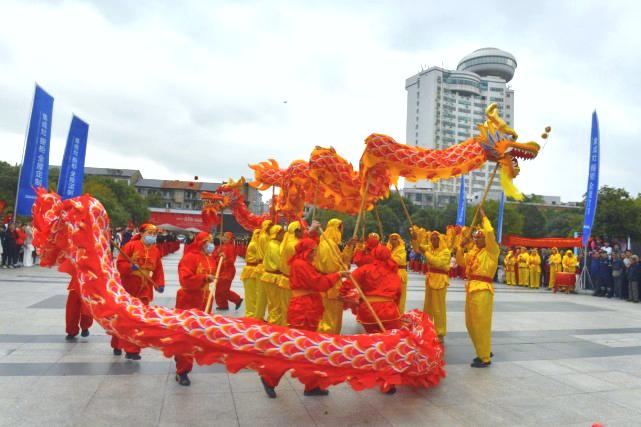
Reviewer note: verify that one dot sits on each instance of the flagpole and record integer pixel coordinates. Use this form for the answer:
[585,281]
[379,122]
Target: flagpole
[24,150]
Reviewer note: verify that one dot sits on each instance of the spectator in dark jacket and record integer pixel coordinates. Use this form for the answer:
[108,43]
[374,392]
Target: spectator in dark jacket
[604,276]
[634,278]
[618,271]
[10,248]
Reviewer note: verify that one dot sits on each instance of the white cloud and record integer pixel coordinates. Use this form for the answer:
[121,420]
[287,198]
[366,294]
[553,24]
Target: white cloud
[198,89]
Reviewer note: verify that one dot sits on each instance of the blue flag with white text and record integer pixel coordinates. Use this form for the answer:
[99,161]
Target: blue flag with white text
[34,171]
[73,163]
[592,195]
[460,213]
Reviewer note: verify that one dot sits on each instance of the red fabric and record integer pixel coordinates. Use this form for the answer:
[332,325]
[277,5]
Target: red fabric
[379,279]
[410,356]
[77,315]
[546,242]
[306,311]
[193,269]
[224,294]
[21,236]
[147,258]
[228,269]
[388,325]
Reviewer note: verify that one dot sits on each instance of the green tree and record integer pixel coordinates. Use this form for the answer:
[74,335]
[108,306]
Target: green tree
[617,214]
[8,184]
[154,200]
[127,200]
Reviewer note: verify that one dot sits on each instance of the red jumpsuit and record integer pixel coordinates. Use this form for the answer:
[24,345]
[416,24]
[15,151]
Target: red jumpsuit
[77,314]
[148,259]
[227,273]
[306,305]
[193,269]
[382,285]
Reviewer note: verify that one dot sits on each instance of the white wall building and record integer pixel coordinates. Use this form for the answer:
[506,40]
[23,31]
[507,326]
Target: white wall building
[443,109]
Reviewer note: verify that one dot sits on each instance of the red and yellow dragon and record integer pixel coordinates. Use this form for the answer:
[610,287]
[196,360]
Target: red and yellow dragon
[329,181]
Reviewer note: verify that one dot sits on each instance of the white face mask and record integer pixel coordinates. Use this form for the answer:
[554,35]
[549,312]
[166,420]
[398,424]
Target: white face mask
[208,248]
[149,239]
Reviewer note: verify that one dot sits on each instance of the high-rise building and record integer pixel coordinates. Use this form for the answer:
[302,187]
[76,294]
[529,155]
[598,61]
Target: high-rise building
[443,109]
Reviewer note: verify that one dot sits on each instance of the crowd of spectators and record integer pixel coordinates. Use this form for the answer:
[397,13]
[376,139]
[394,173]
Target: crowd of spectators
[16,245]
[613,271]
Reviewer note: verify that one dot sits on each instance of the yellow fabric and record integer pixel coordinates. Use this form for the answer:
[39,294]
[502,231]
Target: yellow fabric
[274,305]
[478,321]
[435,306]
[261,299]
[555,266]
[421,237]
[287,251]
[438,258]
[523,264]
[534,270]
[285,295]
[249,284]
[569,262]
[399,255]
[263,238]
[271,262]
[481,262]
[251,257]
[329,259]
[510,263]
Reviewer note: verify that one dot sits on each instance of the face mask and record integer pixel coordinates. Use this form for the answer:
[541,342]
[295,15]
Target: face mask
[209,248]
[149,239]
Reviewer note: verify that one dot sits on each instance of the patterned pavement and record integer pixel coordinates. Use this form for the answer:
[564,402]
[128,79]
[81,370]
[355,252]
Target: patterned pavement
[560,360]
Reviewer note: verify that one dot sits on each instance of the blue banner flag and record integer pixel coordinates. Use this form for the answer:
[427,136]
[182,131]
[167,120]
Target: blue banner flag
[499,226]
[73,164]
[460,213]
[592,194]
[34,171]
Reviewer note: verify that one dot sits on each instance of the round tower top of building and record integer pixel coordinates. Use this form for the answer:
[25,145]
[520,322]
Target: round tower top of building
[489,61]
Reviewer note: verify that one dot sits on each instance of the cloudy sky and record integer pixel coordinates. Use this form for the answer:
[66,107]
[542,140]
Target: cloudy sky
[179,89]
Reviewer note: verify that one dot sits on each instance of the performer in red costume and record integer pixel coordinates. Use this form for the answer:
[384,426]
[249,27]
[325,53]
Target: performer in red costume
[365,255]
[306,305]
[227,250]
[196,271]
[147,264]
[382,287]
[77,315]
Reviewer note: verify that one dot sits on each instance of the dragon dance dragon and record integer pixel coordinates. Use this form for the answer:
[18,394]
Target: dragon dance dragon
[74,235]
[330,182]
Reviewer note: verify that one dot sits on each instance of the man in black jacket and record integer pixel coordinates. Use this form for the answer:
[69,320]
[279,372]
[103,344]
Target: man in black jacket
[634,277]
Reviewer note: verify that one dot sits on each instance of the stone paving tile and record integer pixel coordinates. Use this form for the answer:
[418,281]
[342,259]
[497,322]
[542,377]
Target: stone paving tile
[198,410]
[254,408]
[131,410]
[585,382]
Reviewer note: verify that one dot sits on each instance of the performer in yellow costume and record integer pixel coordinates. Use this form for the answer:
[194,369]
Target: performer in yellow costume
[555,266]
[330,259]
[510,265]
[261,247]
[569,262]
[437,256]
[287,251]
[271,276]
[535,269]
[399,255]
[524,268]
[480,263]
[248,275]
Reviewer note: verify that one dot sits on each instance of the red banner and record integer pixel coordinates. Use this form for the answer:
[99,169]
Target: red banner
[546,242]
[183,221]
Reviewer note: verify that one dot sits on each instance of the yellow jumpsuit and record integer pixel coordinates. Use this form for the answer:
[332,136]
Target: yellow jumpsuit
[436,283]
[510,265]
[555,266]
[248,275]
[535,269]
[524,269]
[569,262]
[271,277]
[480,267]
[261,298]
[329,259]
[399,255]
[287,251]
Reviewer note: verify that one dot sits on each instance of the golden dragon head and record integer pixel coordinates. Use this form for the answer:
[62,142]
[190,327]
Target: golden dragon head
[498,140]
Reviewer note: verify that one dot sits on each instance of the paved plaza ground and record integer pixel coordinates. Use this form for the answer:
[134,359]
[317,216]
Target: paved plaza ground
[559,360]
